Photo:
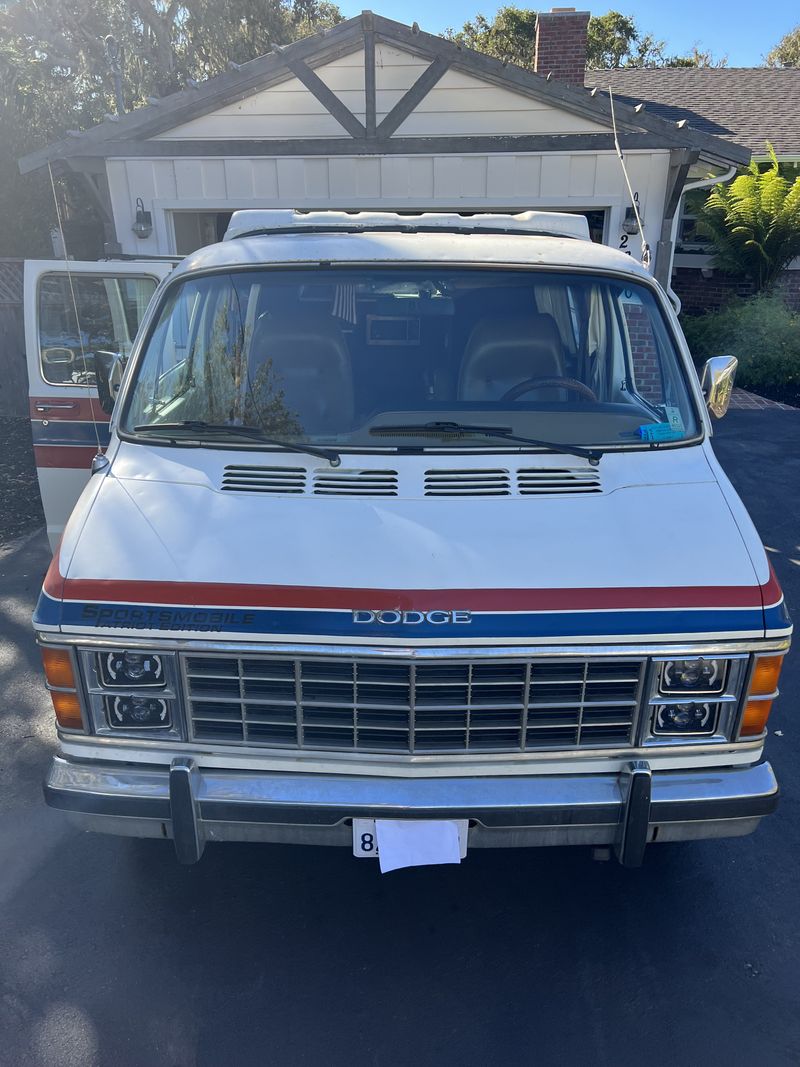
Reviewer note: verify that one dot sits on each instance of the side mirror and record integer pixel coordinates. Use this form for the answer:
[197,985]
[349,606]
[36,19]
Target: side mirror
[108,367]
[717,383]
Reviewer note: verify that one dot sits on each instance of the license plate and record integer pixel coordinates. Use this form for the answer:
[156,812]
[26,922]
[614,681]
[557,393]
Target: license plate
[365,835]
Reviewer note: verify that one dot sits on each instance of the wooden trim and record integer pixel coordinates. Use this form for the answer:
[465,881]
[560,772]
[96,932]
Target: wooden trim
[329,100]
[370,98]
[418,91]
[323,47]
[680,160]
[346,146]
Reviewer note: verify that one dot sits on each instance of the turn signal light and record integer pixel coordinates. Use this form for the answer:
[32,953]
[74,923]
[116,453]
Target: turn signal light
[754,720]
[68,710]
[763,686]
[57,664]
[58,672]
[766,672]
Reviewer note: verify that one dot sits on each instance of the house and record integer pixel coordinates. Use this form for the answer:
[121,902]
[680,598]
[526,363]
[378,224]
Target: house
[746,105]
[376,114]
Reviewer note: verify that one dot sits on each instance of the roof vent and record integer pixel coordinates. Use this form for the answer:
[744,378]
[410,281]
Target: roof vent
[264,479]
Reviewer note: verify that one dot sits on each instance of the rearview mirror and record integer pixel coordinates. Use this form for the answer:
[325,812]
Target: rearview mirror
[717,383]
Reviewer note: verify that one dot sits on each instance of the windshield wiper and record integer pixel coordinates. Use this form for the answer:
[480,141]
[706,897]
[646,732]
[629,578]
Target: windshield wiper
[253,433]
[462,429]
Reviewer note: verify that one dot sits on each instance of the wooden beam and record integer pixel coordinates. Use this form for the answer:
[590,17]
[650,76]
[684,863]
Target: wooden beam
[369,73]
[680,160]
[363,146]
[329,100]
[418,91]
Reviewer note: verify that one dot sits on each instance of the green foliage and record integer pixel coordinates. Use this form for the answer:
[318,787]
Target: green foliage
[510,35]
[763,332]
[613,40]
[786,52]
[754,223]
[55,76]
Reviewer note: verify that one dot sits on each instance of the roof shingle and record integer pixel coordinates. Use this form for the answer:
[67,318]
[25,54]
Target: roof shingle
[749,105]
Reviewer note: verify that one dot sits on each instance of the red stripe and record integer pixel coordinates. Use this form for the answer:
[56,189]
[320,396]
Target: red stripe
[86,408]
[213,594]
[771,593]
[75,456]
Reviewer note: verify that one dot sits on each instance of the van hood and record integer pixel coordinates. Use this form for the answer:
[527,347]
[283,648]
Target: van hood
[157,547]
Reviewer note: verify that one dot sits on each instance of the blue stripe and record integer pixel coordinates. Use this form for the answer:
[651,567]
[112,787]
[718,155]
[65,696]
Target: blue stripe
[493,625]
[61,432]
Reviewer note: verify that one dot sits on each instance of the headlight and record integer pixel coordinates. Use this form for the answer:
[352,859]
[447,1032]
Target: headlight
[690,718]
[126,670]
[138,713]
[693,676]
[133,692]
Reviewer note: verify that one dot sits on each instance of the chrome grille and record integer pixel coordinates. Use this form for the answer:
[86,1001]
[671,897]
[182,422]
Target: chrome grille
[351,704]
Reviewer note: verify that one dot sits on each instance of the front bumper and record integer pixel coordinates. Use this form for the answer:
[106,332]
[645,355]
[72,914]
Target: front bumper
[625,810]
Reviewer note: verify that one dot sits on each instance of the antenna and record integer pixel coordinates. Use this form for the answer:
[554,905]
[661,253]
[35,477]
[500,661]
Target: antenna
[646,255]
[99,456]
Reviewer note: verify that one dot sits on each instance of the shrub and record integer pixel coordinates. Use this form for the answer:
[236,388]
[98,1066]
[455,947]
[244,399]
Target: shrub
[762,332]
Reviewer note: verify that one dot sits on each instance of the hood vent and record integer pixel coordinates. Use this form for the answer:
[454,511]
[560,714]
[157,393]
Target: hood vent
[342,482]
[475,482]
[265,479]
[525,482]
[532,480]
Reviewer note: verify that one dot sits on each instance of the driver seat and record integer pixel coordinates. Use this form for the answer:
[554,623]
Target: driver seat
[503,351]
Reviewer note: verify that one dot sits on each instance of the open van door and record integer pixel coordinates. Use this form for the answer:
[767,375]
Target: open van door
[63,349]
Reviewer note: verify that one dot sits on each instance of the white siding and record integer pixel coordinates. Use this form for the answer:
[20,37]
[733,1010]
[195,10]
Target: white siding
[458,104]
[472,182]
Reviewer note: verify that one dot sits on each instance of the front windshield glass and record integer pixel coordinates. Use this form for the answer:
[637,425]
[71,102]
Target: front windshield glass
[330,356]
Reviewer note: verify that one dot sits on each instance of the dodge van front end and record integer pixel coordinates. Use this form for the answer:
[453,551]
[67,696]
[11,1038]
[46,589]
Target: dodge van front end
[420,525]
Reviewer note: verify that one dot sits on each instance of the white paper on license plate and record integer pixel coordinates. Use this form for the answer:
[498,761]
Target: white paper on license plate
[410,842]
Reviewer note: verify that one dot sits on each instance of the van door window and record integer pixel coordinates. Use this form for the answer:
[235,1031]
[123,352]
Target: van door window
[82,316]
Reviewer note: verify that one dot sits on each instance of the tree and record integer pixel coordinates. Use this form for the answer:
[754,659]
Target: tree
[55,76]
[613,40]
[786,52]
[754,223]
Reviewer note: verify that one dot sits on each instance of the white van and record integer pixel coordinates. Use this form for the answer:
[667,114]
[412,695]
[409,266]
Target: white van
[408,537]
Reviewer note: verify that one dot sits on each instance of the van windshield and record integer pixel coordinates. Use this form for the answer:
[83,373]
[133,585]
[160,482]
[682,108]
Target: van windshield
[329,356]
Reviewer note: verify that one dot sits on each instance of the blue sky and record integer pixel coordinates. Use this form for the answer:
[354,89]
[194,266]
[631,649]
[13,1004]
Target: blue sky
[742,31]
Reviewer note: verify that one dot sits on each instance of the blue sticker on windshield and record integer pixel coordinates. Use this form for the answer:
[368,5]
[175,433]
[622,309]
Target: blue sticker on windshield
[659,431]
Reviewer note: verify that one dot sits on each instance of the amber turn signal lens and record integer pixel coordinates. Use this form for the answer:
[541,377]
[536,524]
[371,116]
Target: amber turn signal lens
[58,668]
[754,720]
[68,710]
[766,672]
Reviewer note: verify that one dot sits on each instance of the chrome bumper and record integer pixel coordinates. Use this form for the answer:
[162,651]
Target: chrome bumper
[625,810]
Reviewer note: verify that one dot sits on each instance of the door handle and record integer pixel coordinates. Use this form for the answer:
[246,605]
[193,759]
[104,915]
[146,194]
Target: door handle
[57,405]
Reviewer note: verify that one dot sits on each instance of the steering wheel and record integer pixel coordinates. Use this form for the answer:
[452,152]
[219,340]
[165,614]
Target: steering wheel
[557,382]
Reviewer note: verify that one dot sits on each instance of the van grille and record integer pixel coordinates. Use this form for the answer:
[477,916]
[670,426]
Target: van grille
[402,706]
[524,482]
[467,483]
[558,480]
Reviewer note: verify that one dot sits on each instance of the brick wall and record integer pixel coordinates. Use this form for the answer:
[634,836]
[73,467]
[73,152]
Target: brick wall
[646,369]
[561,44]
[700,294]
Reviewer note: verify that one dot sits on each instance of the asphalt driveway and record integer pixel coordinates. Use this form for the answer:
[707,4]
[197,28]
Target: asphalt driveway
[111,954]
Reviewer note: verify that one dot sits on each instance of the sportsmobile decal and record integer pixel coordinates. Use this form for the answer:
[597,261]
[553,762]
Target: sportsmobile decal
[86,604]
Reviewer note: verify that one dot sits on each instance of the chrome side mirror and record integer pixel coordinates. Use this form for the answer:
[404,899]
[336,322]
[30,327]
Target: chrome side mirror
[717,383]
[109,367]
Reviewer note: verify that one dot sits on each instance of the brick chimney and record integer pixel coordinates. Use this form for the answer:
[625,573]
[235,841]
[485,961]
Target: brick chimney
[561,44]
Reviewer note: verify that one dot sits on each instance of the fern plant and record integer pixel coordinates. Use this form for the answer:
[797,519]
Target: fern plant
[754,223]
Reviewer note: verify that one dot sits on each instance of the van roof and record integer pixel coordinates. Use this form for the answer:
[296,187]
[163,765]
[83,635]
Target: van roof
[473,249]
[250,223]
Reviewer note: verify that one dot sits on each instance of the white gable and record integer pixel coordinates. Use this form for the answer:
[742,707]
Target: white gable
[459,104]
[464,104]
